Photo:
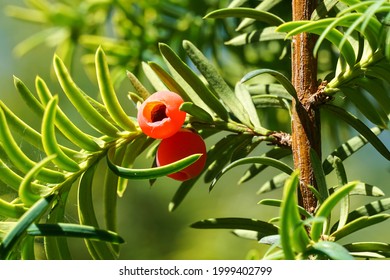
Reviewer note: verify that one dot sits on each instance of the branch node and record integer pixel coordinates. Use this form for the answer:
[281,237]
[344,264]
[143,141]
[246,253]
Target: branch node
[320,97]
[281,139]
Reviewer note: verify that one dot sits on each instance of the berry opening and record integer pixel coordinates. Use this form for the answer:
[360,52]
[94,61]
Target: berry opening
[155,112]
[158,113]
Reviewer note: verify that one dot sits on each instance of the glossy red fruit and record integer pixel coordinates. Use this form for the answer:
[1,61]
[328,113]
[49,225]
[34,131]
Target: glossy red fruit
[159,115]
[182,144]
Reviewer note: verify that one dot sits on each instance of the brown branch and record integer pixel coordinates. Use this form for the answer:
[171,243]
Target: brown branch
[305,118]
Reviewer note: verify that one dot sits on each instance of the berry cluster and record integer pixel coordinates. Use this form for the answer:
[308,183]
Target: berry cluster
[160,117]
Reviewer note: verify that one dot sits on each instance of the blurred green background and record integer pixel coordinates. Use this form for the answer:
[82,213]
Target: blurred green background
[150,231]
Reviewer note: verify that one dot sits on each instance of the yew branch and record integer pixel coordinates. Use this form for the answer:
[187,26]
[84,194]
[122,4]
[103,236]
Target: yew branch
[306,118]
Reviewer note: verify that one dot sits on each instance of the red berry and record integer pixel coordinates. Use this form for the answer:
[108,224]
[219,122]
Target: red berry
[159,115]
[182,144]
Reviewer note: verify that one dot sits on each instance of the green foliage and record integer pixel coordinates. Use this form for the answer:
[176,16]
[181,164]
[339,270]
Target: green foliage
[128,31]
[358,29]
[120,142]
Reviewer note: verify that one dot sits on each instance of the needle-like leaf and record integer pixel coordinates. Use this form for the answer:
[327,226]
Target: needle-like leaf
[19,158]
[254,160]
[12,238]
[49,141]
[79,100]
[262,16]
[328,205]
[150,173]
[217,83]
[108,93]
[360,127]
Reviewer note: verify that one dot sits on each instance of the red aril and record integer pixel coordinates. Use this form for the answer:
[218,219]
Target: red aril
[182,144]
[159,115]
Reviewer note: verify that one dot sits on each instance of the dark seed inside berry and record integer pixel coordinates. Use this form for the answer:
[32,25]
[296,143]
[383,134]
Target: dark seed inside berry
[158,113]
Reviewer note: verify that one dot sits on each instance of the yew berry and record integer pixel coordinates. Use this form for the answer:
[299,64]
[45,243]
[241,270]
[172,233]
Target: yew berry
[182,144]
[159,115]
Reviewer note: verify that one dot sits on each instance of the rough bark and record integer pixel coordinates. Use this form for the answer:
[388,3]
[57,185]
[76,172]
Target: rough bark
[305,121]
